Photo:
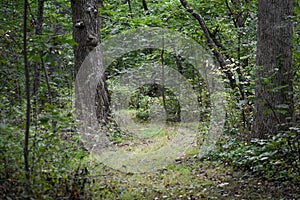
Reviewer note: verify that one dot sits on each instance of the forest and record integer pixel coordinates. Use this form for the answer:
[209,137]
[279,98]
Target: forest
[149,99]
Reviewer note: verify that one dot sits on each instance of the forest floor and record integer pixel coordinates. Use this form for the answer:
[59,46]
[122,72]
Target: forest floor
[190,179]
[186,177]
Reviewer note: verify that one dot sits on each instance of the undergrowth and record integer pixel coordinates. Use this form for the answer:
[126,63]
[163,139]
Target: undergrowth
[274,158]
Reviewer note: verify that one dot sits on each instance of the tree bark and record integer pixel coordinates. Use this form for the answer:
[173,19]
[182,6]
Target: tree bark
[145,5]
[86,32]
[28,105]
[85,29]
[273,110]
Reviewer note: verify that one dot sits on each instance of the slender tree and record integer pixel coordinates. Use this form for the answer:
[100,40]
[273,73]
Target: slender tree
[145,5]
[130,8]
[274,85]
[27,87]
[221,52]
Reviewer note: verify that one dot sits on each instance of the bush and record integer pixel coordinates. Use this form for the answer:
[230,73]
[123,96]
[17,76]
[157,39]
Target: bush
[277,157]
[144,99]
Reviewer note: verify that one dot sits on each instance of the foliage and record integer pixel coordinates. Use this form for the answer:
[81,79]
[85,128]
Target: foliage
[189,178]
[57,158]
[148,101]
[60,166]
[277,157]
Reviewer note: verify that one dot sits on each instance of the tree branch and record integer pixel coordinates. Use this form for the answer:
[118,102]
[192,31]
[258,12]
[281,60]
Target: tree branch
[213,44]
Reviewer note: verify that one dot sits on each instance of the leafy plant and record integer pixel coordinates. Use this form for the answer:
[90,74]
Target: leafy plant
[277,157]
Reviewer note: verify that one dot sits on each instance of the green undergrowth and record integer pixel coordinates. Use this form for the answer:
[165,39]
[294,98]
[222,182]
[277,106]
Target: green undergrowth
[61,167]
[235,170]
[57,157]
[184,179]
[187,178]
[275,158]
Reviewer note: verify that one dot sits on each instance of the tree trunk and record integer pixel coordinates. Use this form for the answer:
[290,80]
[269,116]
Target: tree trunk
[28,105]
[86,32]
[85,29]
[145,5]
[273,110]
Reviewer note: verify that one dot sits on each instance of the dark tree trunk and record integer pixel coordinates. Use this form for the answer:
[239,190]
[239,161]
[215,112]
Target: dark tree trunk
[145,5]
[28,105]
[273,109]
[86,32]
[130,8]
[40,17]
[36,78]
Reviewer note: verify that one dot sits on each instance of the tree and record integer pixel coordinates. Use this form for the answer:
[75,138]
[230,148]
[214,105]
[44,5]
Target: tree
[86,32]
[28,105]
[233,58]
[273,110]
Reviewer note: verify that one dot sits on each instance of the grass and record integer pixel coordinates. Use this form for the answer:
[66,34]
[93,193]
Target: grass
[139,169]
[176,180]
[190,178]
